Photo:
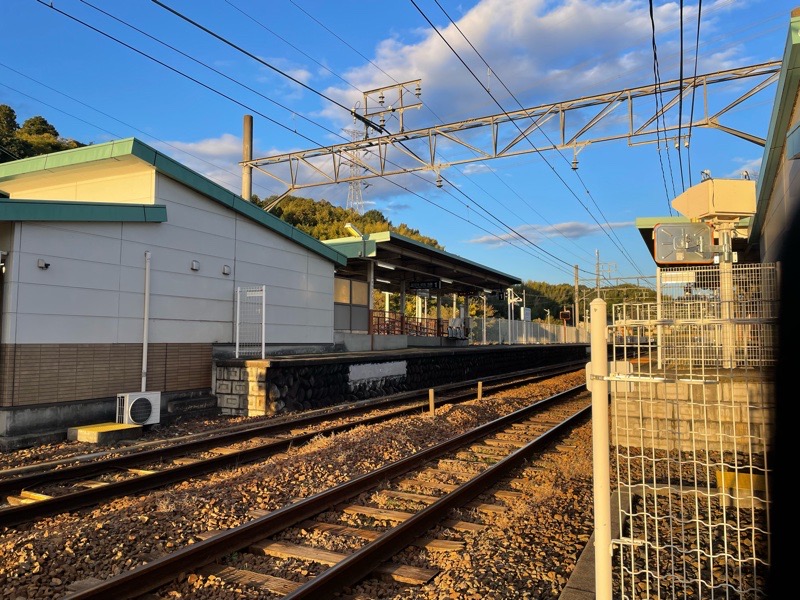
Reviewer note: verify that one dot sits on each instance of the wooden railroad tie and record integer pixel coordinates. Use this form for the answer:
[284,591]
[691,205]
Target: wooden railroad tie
[26,497]
[402,573]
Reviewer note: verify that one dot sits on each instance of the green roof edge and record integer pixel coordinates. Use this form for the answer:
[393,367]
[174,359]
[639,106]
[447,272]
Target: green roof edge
[788,82]
[385,236]
[175,170]
[98,212]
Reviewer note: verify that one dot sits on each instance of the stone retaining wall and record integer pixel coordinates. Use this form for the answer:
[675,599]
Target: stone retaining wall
[277,385]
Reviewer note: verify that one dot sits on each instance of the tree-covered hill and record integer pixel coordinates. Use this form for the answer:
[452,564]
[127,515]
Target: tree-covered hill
[36,136]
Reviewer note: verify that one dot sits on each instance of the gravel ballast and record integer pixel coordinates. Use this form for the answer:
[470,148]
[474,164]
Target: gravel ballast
[527,552]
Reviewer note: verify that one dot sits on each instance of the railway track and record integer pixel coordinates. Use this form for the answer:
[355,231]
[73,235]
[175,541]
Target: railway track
[365,511]
[56,488]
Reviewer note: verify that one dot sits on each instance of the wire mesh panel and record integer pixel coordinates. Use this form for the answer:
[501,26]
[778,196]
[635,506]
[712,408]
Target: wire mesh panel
[250,321]
[691,416]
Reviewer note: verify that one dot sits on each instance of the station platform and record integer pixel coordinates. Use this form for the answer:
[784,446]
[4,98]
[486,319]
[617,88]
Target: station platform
[287,382]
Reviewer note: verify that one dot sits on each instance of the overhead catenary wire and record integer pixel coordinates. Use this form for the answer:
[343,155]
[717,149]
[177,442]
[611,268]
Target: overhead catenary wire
[388,75]
[659,107]
[691,110]
[251,55]
[558,175]
[488,66]
[224,40]
[214,90]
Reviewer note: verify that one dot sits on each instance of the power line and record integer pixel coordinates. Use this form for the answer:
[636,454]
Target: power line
[438,118]
[691,113]
[209,67]
[605,219]
[212,89]
[656,96]
[518,128]
[355,115]
[179,72]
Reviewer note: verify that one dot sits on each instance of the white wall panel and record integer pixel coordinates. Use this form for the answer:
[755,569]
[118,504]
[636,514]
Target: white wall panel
[68,272]
[102,244]
[93,290]
[47,300]
[320,301]
[65,329]
[164,331]
[319,266]
[322,284]
[258,254]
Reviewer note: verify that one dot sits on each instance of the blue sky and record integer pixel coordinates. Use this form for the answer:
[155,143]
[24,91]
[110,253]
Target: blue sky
[531,215]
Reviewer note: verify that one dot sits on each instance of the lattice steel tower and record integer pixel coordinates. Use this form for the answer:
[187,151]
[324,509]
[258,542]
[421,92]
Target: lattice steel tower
[355,197]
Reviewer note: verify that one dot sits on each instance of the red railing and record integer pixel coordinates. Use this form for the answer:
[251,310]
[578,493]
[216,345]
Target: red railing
[392,323]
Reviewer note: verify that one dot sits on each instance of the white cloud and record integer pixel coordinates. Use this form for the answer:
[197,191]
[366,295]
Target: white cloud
[542,50]
[750,165]
[538,233]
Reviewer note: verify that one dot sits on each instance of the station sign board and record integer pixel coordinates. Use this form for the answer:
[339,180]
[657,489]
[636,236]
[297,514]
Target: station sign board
[424,285]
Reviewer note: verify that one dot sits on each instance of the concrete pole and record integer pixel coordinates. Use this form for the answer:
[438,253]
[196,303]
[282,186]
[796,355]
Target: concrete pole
[146,318]
[371,284]
[485,341]
[575,313]
[600,452]
[247,155]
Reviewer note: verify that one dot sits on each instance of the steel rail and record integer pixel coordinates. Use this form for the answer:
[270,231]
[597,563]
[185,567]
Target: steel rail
[369,557]
[161,571]
[71,501]
[202,441]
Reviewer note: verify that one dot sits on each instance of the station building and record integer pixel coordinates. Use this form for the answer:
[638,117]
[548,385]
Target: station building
[116,253]
[121,270]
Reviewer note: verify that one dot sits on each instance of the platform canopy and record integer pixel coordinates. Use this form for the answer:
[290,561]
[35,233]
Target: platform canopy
[397,259]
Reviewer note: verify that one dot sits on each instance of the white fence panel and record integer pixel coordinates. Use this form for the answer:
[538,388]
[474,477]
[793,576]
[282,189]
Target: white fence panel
[251,309]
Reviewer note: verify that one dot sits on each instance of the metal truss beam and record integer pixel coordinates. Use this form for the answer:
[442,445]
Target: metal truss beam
[479,139]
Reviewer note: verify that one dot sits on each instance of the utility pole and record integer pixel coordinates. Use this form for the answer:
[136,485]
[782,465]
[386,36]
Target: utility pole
[575,301]
[247,155]
[597,273]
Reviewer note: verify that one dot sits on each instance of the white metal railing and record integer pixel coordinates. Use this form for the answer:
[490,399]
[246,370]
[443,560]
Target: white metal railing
[250,325]
[501,331]
[691,415]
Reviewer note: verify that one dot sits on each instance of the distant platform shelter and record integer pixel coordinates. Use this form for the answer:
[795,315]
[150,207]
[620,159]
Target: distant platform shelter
[399,266]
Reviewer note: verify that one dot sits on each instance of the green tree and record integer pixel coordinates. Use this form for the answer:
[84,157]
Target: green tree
[38,126]
[36,136]
[324,221]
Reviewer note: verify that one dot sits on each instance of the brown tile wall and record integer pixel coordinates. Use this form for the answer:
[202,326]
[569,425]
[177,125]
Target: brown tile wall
[44,373]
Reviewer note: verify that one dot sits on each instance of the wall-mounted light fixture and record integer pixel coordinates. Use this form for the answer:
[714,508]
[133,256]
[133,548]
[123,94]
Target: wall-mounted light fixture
[195,265]
[42,265]
[443,280]
[3,261]
[384,265]
[382,280]
[226,270]
[487,291]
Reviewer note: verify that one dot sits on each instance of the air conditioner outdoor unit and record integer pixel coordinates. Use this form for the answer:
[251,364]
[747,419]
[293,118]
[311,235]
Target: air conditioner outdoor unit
[139,408]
